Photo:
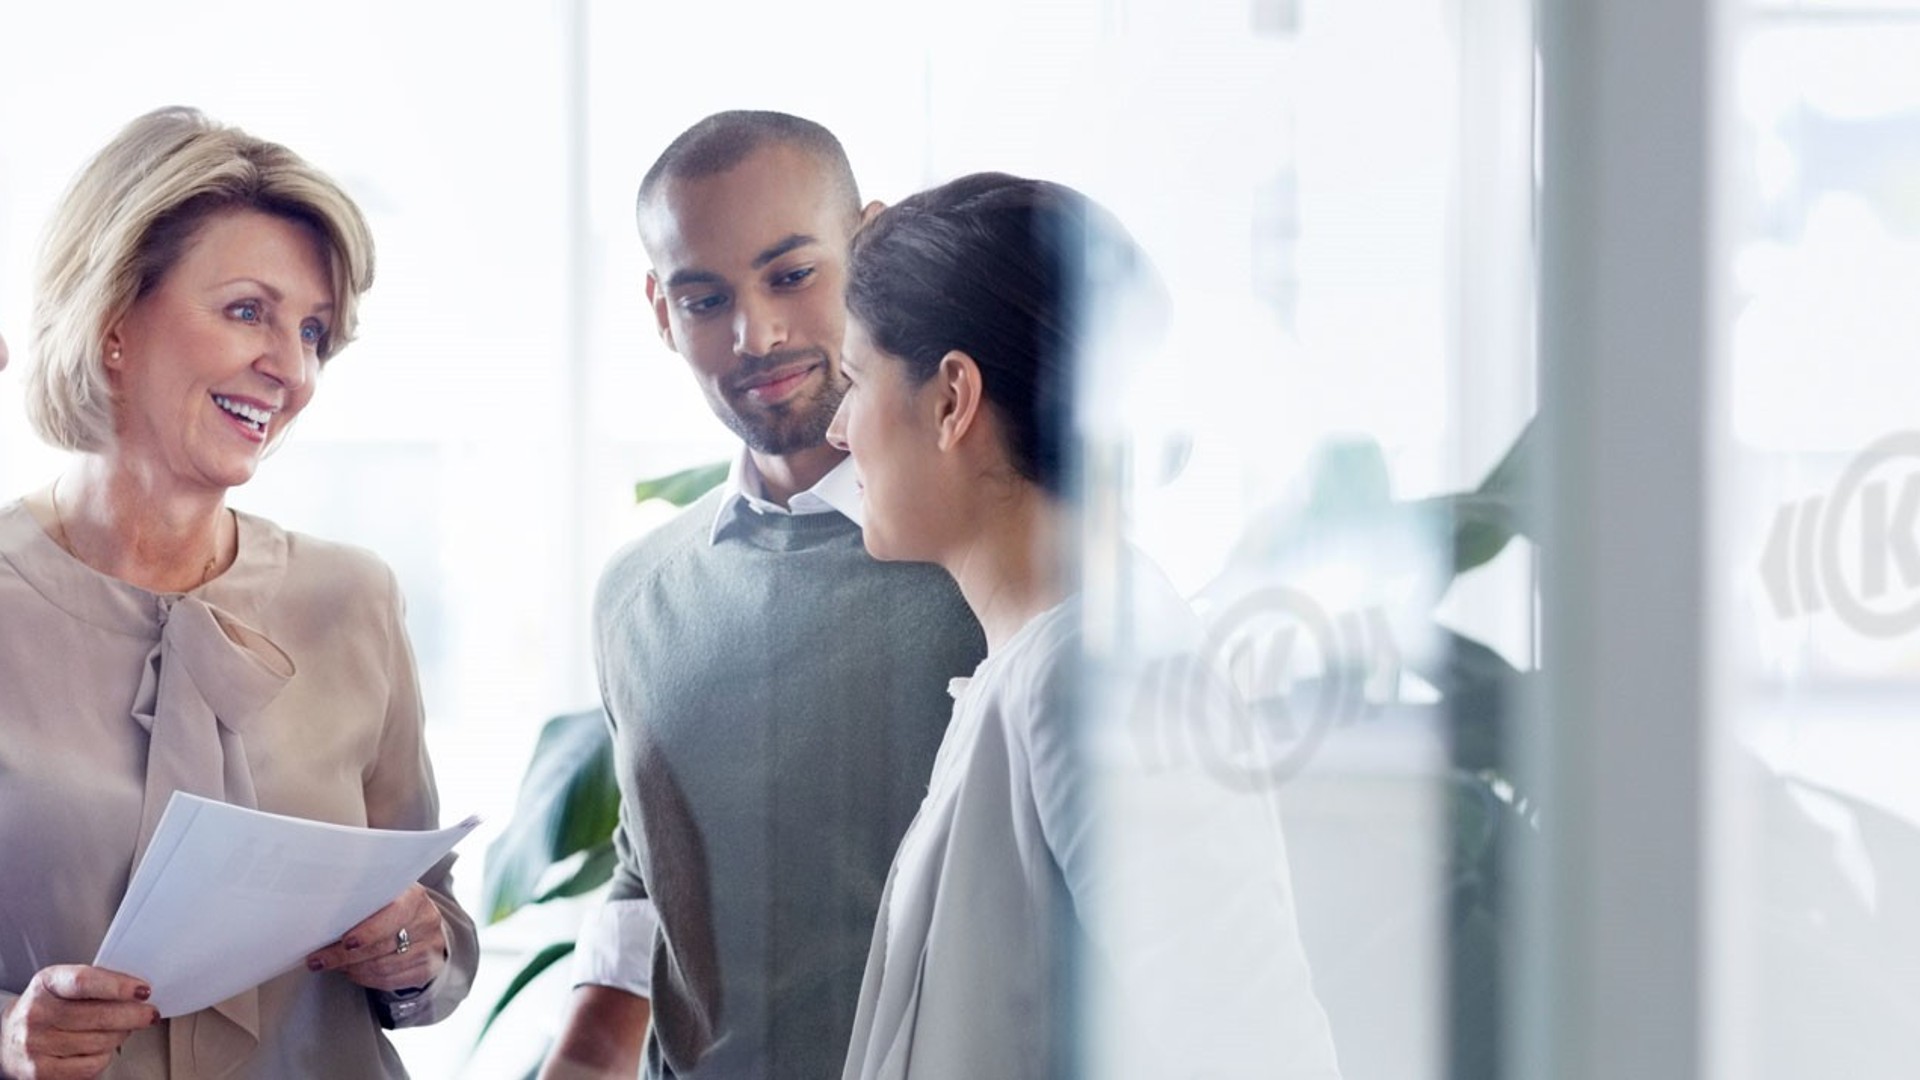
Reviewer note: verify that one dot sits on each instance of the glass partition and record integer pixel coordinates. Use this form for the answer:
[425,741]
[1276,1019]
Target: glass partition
[1817,629]
[1328,456]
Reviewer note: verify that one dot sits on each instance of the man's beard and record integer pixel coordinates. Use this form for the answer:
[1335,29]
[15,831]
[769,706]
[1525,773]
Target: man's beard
[791,426]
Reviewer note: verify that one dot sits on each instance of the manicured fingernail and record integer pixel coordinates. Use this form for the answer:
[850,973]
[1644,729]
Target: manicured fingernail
[313,963]
[155,1022]
[143,992]
[352,943]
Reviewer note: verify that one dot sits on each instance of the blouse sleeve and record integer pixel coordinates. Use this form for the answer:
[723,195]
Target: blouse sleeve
[400,794]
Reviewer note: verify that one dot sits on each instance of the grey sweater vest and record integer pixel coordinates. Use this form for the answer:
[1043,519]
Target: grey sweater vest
[777,698]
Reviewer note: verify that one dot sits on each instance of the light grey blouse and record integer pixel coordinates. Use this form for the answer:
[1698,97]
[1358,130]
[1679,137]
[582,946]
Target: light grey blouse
[1068,903]
[287,683]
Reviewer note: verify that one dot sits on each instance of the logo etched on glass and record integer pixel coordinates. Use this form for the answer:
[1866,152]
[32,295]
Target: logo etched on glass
[1856,550]
[1274,675]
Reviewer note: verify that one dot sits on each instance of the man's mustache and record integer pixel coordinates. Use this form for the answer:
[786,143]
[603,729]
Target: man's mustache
[756,367]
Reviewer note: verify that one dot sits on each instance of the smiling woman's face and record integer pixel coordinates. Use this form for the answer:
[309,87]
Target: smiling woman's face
[221,356]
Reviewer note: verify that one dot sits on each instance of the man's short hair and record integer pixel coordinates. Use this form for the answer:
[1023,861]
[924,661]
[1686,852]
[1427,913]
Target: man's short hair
[725,139]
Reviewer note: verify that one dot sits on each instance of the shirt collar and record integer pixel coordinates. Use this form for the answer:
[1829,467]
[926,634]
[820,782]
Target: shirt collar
[838,492]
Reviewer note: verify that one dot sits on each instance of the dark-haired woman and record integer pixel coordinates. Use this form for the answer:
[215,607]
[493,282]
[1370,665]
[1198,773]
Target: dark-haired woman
[1066,902]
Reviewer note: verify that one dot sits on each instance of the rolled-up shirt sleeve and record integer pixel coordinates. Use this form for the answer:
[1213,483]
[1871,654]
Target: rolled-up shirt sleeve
[616,947]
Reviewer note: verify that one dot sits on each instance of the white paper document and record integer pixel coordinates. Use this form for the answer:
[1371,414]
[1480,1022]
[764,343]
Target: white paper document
[226,897]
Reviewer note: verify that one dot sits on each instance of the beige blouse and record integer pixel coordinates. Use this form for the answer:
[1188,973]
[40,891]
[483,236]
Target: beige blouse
[286,683]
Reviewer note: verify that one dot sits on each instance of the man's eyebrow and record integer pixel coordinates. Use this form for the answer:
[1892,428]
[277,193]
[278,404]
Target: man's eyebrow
[681,278]
[797,240]
[793,242]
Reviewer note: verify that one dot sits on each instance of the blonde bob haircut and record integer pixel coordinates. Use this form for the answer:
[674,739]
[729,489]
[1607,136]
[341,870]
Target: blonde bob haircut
[129,217]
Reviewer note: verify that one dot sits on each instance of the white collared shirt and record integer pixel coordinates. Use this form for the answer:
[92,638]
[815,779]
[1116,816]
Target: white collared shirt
[837,492]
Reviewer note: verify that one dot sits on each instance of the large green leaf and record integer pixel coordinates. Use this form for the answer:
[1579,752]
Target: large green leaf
[1517,466]
[541,961]
[1478,526]
[569,803]
[1511,482]
[594,871]
[1482,521]
[1342,508]
[683,487]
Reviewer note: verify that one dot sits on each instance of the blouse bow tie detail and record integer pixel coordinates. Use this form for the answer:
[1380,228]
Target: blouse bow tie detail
[206,679]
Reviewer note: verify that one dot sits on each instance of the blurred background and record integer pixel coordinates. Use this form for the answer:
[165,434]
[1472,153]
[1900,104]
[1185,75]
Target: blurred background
[1345,199]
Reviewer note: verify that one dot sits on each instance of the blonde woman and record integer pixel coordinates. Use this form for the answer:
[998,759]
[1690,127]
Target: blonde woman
[194,283]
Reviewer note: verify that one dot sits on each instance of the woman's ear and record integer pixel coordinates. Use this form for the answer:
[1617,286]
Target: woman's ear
[960,397]
[110,348]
